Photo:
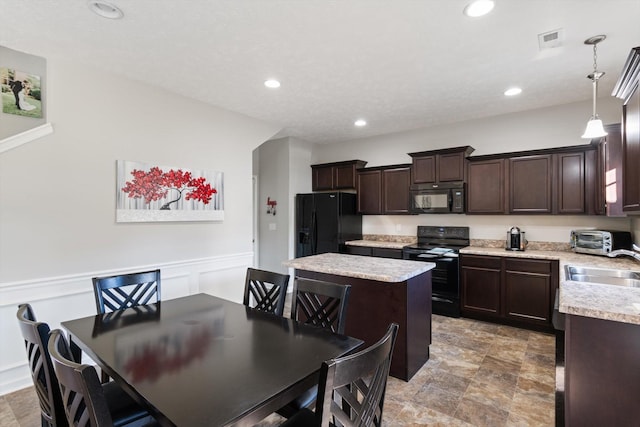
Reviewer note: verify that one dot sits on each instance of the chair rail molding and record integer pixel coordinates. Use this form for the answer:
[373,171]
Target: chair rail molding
[22,138]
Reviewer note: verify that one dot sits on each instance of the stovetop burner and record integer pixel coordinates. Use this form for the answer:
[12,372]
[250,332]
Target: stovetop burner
[440,240]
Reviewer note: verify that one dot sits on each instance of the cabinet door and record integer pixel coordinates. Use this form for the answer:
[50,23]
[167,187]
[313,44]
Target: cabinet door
[396,184]
[530,184]
[322,178]
[631,152]
[528,287]
[387,253]
[450,167]
[345,177]
[480,280]
[571,183]
[369,188]
[610,169]
[485,187]
[424,170]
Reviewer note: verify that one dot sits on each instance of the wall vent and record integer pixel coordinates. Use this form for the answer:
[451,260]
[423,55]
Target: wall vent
[550,39]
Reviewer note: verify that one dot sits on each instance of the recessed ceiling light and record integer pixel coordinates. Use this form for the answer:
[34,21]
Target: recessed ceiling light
[513,91]
[479,8]
[272,83]
[360,122]
[105,9]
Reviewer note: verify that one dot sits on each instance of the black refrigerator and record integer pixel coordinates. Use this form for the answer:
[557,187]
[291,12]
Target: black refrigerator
[324,221]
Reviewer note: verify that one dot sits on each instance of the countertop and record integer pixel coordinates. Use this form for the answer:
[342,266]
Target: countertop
[608,302]
[362,267]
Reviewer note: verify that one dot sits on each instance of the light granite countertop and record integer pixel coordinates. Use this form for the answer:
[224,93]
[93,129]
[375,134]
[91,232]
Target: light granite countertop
[600,301]
[362,267]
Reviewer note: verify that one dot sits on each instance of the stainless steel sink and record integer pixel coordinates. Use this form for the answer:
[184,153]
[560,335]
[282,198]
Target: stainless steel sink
[603,275]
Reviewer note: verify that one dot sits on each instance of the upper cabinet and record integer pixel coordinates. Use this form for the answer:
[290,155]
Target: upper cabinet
[433,167]
[335,176]
[554,181]
[383,190]
[627,89]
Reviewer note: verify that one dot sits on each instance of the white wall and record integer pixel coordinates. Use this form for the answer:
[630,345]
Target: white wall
[57,201]
[544,128]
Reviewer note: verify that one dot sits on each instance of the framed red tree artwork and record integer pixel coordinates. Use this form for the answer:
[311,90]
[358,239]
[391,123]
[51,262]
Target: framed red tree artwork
[148,192]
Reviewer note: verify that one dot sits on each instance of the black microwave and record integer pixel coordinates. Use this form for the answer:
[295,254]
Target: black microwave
[437,198]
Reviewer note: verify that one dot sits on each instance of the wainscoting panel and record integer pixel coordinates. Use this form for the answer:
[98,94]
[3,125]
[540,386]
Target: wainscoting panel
[57,299]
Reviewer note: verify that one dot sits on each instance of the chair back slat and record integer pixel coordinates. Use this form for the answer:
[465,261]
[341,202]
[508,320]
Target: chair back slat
[352,388]
[319,303]
[126,290]
[83,397]
[265,290]
[35,335]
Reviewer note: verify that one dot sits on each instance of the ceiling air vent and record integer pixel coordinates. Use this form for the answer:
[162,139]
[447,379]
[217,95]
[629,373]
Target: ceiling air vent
[550,39]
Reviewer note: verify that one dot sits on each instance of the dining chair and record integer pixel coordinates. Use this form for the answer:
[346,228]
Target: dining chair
[265,290]
[35,335]
[351,389]
[322,304]
[126,290]
[319,303]
[87,402]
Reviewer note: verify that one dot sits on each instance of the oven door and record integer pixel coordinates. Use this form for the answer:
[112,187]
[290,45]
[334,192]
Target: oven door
[444,276]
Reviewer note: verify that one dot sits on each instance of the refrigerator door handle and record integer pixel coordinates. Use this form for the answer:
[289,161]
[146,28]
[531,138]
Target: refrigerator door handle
[314,234]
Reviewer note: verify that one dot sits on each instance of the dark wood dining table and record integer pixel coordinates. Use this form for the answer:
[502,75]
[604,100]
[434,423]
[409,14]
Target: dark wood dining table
[205,361]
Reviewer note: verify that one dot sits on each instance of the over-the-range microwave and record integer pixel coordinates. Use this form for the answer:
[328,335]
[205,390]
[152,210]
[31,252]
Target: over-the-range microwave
[437,198]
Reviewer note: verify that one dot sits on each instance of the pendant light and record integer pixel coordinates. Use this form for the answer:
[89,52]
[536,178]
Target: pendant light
[594,126]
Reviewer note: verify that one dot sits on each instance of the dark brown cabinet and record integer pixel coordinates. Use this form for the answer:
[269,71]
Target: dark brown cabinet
[560,180]
[609,179]
[627,89]
[335,176]
[530,184]
[486,186]
[509,290]
[446,165]
[383,190]
[480,285]
[373,251]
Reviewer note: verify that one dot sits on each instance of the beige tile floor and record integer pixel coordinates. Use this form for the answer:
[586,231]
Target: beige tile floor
[479,374]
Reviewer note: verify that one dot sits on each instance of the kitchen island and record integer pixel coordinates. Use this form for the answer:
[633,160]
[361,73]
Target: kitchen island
[382,291]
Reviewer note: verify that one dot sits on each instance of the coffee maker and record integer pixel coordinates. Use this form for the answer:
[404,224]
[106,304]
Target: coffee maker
[515,240]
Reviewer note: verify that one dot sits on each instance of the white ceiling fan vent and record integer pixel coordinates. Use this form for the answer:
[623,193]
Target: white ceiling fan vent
[551,39]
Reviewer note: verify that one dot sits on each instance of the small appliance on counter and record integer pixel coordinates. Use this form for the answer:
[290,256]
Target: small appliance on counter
[600,242]
[515,240]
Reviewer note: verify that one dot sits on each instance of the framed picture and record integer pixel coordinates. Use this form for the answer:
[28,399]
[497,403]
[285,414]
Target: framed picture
[148,192]
[21,93]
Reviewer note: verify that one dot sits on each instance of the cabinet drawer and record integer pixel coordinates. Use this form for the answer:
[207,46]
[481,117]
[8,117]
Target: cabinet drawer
[481,261]
[528,265]
[357,250]
[387,253]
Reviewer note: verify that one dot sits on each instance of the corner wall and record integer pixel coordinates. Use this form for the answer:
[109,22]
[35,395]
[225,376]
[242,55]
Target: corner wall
[57,201]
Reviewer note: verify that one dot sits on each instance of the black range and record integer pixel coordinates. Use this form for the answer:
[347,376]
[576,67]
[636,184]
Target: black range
[441,246]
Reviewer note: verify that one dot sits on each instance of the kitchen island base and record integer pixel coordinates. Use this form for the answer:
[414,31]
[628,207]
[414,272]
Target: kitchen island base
[373,305]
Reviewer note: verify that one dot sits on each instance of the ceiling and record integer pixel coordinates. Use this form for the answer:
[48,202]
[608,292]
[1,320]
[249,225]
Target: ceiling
[401,64]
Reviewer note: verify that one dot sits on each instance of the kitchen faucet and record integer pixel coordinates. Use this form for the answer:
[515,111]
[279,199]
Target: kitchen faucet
[635,253]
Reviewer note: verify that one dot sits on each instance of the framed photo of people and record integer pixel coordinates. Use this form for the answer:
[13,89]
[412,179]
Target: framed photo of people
[21,93]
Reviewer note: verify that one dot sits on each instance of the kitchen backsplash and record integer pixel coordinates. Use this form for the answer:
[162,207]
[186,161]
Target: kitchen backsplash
[533,246]
[390,238]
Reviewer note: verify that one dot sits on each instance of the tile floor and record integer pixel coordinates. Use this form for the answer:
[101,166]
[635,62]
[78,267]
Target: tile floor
[479,374]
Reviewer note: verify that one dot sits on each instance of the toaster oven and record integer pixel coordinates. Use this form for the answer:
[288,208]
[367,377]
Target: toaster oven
[599,242]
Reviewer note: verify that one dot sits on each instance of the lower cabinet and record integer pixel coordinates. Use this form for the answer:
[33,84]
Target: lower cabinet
[509,290]
[373,251]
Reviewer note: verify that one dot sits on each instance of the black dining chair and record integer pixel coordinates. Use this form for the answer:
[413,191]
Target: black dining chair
[265,290]
[87,402]
[126,290]
[351,389]
[45,382]
[321,304]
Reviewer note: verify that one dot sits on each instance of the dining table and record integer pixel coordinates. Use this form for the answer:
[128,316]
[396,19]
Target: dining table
[200,360]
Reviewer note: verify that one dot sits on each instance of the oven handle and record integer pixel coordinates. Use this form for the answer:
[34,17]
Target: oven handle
[441,300]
